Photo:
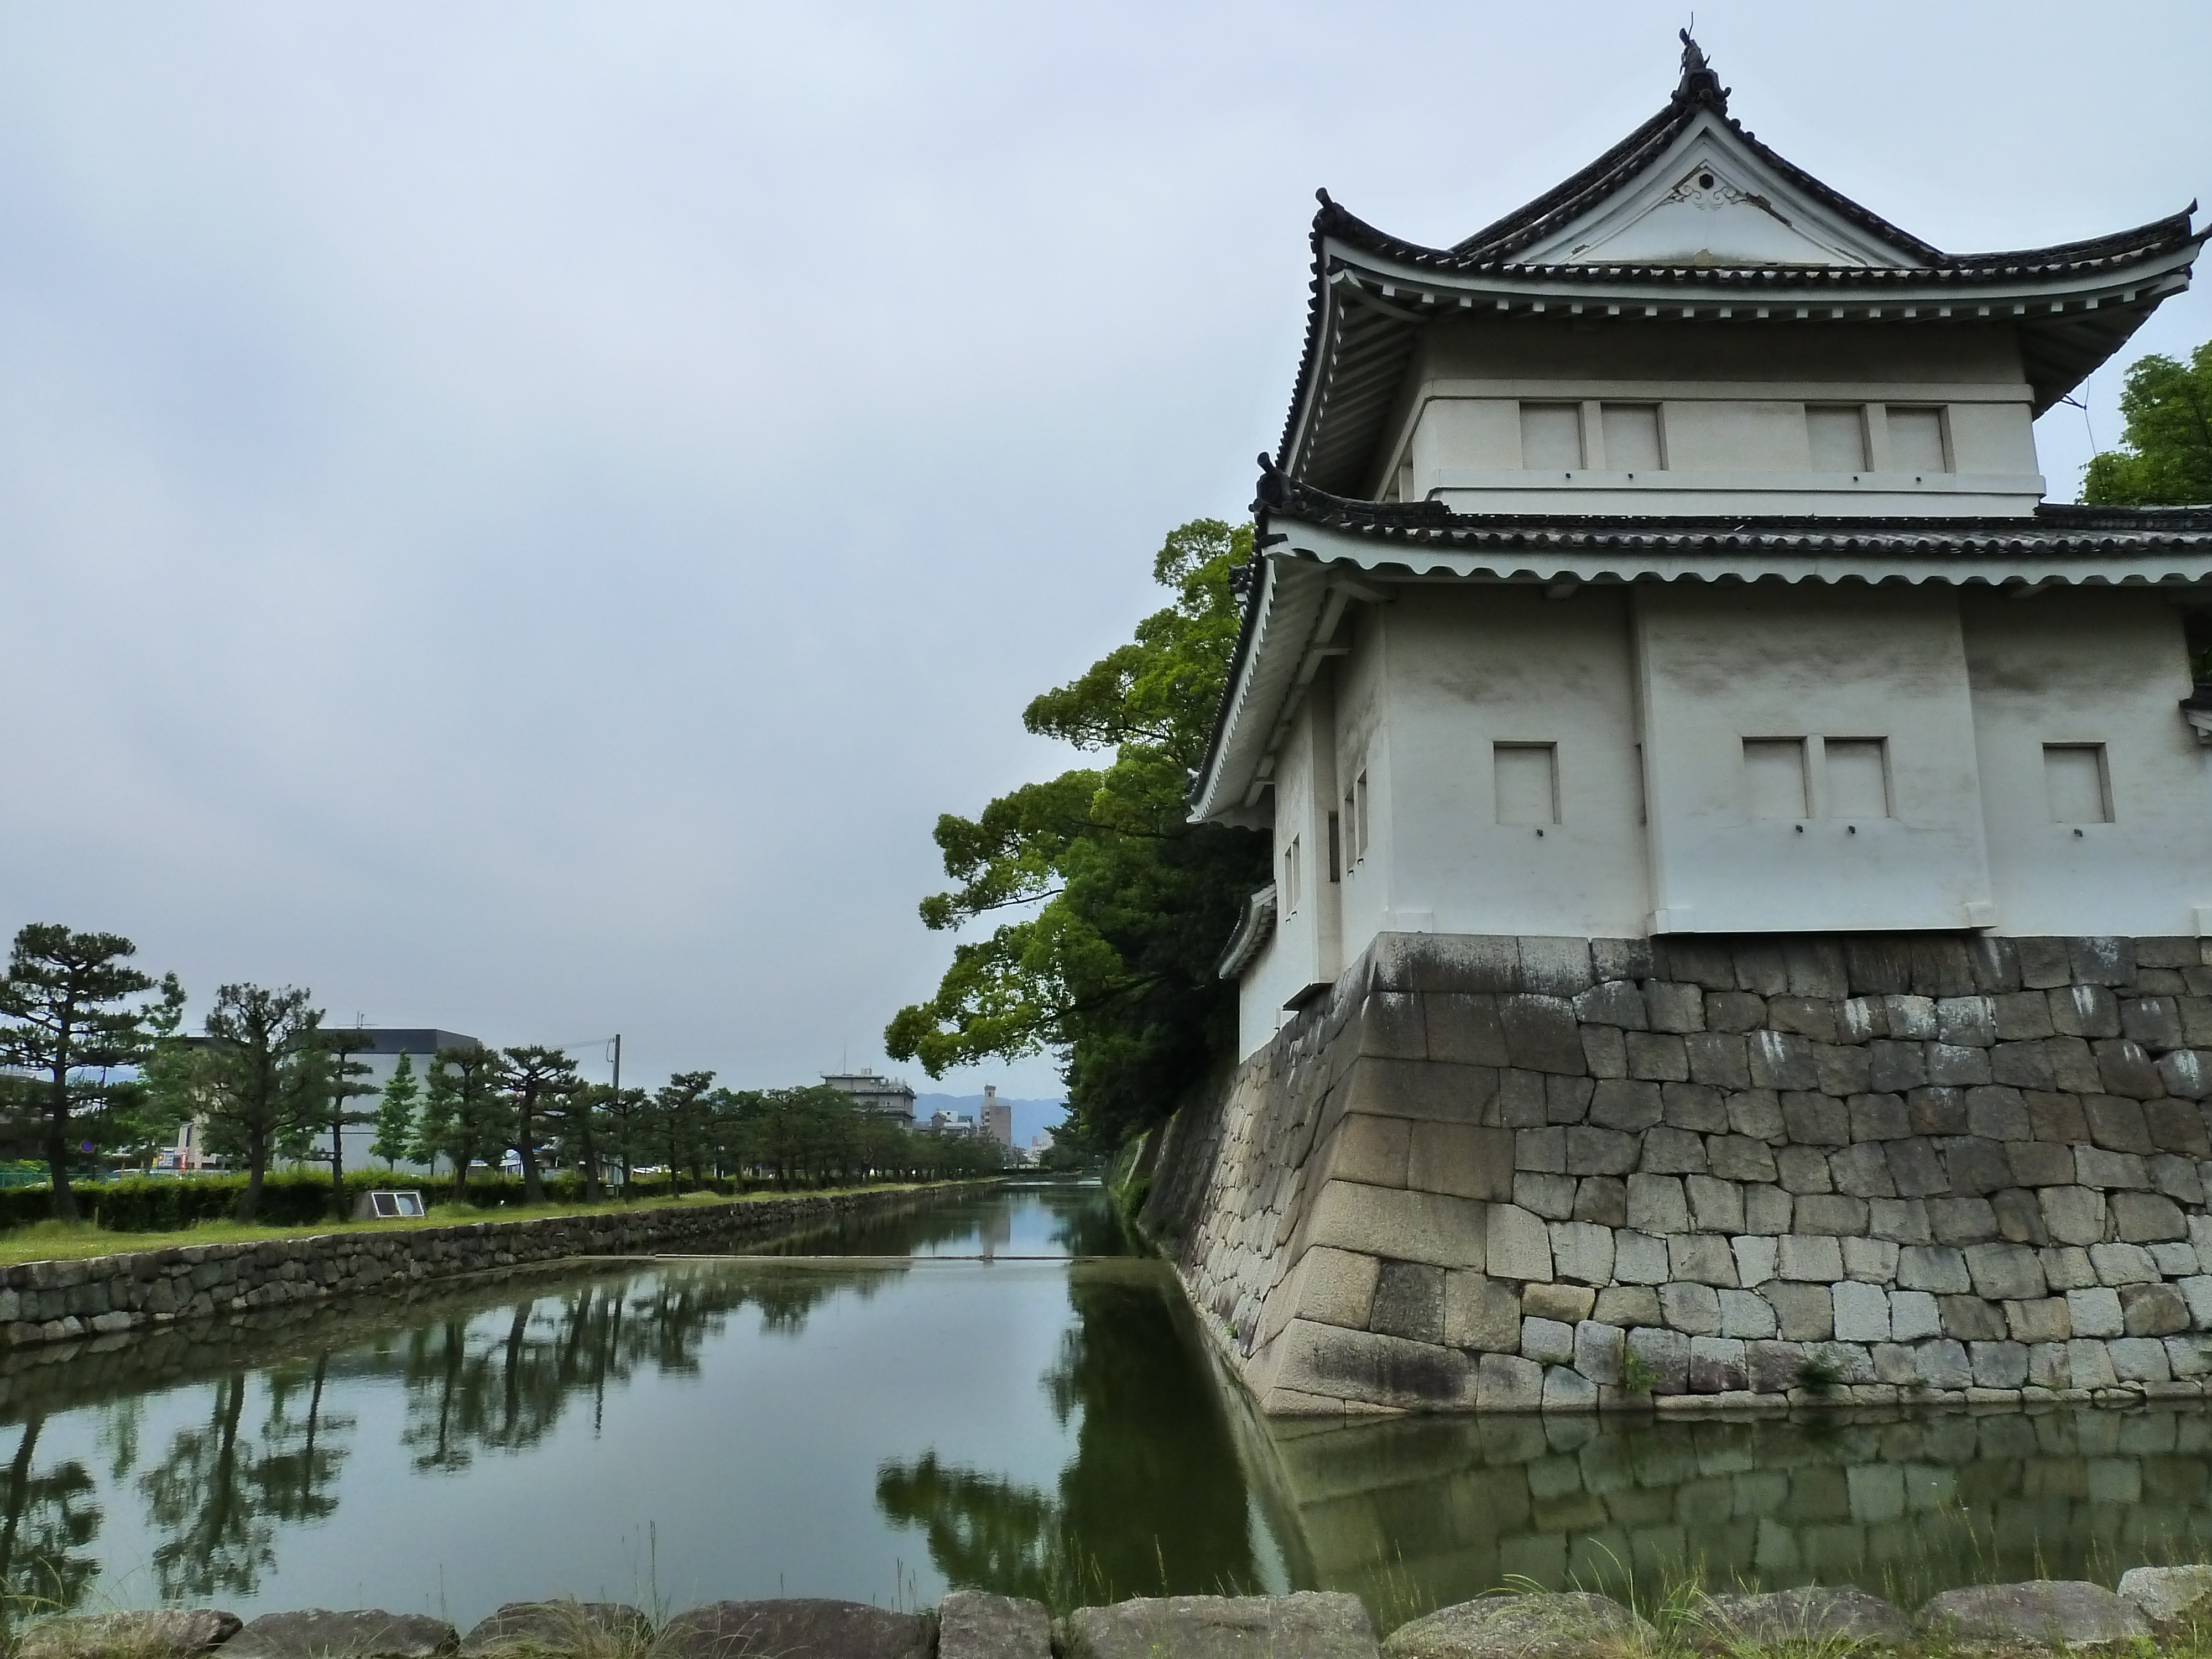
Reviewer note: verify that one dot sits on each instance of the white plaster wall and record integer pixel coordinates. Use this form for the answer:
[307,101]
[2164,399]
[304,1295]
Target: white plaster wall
[1363,741]
[1475,667]
[1732,401]
[1717,665]
[2090,667]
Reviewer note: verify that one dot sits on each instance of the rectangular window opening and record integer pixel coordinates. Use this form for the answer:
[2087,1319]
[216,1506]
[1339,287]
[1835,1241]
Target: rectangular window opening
[1857,777]
[1774,777]
[1335,850]
[1359,818]
[1290,877]
[1528,782]
[1837,434]
[2077,783]
[1631,438]
[1916,441]
[1551,437]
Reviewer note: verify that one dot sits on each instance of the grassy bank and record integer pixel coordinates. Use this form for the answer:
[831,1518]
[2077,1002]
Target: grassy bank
[73,1241]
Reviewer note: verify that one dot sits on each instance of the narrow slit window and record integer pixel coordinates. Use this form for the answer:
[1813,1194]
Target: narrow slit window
[1290,877]
[1916,441]
[1774,777]
[1551,437]
[1351,828]
[1528,782]
[1858,777]
[1359,820]
[1335,850]
[2076,782]
[1631,438]
[1837,435]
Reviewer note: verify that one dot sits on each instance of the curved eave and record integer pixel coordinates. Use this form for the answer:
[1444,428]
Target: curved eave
[1369,313]
[1254,927]
[1306,559]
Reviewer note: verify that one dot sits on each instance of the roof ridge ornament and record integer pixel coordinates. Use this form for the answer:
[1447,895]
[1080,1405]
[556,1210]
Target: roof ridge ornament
[1699,84]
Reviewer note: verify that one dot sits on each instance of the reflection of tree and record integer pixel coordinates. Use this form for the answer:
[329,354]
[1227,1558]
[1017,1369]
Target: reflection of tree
[1083,1225]
[50,1516]
[219,1491]
[502,1383]
[293,1476]
[1154,1501]
[217,1541]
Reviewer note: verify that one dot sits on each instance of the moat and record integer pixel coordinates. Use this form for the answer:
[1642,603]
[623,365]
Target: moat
[995,1391]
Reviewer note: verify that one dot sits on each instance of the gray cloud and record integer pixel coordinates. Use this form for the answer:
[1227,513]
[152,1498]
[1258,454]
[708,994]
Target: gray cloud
[519,519]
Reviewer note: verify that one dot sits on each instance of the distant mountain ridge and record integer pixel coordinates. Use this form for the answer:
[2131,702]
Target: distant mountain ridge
[1029,1115]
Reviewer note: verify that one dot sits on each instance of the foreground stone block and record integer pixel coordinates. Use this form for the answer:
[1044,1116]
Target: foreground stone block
[2170,1596]
[1574,1626]
[1815,1616]
[797,1628]
[971,1625]
[2042,1613]
[360,1633]
[162,1633]
[1311,1625]
[535,1628]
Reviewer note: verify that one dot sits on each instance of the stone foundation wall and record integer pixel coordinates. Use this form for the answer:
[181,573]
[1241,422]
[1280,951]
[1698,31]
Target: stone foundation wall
[63,1301]
[1523,1174]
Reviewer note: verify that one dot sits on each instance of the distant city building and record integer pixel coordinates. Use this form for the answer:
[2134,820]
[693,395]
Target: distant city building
[885,1097]
[997,1116]
[952,1123]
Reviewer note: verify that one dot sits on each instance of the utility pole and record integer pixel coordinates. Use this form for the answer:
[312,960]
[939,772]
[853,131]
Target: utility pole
[616,1102]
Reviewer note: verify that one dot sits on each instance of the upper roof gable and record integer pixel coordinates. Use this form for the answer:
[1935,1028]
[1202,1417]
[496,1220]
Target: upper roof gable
[1712,197]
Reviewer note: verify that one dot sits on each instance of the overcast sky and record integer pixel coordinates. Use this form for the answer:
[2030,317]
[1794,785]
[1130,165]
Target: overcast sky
[520,517]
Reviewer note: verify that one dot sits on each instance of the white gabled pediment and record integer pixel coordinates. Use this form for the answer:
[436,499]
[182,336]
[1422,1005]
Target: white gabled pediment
[1709,199]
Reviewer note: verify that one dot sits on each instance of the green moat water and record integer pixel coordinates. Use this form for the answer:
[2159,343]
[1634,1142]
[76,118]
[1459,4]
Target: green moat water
[992,1391]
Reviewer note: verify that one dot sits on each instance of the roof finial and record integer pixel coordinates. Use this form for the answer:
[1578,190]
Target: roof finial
[1698,83]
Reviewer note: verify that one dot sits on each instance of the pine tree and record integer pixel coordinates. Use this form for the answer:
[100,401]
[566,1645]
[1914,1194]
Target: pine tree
[264,1073]
[463,1115]
[395,1115]
[61,1028]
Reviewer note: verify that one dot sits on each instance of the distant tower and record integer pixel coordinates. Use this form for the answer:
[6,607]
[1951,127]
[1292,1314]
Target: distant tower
[997,1116]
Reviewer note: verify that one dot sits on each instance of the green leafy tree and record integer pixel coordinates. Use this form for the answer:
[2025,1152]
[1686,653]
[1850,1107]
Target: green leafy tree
[1114,968]
[683,1124]
[2166,457]
[463,1117]
[395,1114]
[61,1022]
[336,1085]
[578,1120]
[169,1078]
[263,1076]
[626,1119]
[534,1078]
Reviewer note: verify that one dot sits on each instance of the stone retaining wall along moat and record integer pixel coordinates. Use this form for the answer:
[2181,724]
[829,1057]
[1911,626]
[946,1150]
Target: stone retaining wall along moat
[1568,1175]
[61,1301]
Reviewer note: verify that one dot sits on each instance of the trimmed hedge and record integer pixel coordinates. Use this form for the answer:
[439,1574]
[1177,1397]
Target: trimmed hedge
[293,1198]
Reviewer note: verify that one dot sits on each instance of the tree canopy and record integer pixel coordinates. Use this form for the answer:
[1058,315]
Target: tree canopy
[1113,969]
[2166,457]
[65,1036]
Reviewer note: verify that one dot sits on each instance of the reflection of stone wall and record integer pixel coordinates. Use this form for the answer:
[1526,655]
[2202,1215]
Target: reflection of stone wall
[1523,1174]
[1418,1513]
[62,1300]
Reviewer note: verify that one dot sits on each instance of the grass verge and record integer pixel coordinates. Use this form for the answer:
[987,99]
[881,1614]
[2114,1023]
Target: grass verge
[76,1241]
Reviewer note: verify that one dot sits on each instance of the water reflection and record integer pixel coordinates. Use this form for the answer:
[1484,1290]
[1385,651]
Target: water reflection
[50,1517]
[1154,1501]
[895,1425]
[1419,1513]
[1024,1219]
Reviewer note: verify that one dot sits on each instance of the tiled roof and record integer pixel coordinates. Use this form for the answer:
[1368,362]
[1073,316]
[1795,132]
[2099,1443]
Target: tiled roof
[2053,528]
[1356,352]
